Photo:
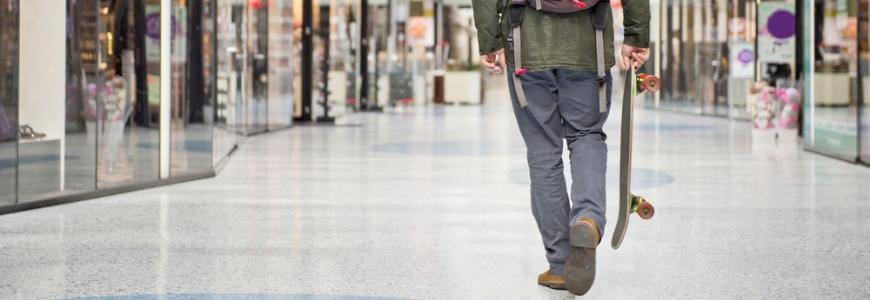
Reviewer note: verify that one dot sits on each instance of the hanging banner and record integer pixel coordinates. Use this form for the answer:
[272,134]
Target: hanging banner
[742,60]
[776,32]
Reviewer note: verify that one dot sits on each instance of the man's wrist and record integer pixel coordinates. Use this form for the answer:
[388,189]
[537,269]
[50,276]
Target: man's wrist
[496,51]
[490,45]
[637,36]
[637,41]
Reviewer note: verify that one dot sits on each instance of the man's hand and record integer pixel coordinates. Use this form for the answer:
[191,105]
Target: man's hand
[494,62]
[639,55]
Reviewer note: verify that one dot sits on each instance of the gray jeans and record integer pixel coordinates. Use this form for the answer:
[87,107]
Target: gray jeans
[563,104]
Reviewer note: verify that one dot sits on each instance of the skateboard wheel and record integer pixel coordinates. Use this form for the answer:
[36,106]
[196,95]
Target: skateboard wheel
[645,210]
[651,84]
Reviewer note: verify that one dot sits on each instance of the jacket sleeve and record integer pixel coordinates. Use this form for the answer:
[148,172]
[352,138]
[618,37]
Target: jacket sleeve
[486,20]
[636,21]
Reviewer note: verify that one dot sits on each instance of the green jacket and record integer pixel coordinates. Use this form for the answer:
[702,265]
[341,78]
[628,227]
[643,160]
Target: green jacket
[558,41]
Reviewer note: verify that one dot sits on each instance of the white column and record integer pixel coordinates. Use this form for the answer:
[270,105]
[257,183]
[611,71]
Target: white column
[165,84]
[42,71]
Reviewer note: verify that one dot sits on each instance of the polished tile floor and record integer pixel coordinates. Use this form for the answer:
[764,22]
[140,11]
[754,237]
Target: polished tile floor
[433,203]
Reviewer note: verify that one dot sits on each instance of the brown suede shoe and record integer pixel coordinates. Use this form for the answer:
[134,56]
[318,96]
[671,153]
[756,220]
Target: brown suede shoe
[552,281]
[580,268]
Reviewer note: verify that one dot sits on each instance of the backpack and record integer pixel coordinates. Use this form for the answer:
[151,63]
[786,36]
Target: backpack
[516,10]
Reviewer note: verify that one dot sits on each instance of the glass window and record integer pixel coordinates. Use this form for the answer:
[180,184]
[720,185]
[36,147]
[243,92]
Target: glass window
[257,66]
[191,135]
[80,94]
[8,103]
[864,59]
[681,33]
[281,64]
[229,107]
[127,92]
[833,123]
[712,53]
[82,69]
[740,62]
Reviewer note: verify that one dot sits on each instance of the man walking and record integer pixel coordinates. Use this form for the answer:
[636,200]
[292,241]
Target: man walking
[556,95]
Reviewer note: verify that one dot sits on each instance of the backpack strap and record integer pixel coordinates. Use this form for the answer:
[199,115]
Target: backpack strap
[599,21]
[515,18]
[516,46]
[602,76]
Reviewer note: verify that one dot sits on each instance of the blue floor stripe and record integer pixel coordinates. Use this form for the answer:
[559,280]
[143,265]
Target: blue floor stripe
[203,146]
[7,163]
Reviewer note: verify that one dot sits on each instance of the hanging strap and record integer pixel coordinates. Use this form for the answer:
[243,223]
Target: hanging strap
[602,76]
[517,47]
[599,21]
[516,11]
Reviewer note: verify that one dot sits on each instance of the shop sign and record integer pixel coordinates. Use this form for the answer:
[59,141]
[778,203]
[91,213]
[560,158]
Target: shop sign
[152,25]
[422,30]
[742,60]
[152,32]
[776,32]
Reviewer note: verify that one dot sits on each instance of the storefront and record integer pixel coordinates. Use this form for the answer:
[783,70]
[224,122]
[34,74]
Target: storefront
[813,53]
[838,84]
[697,43]
[103,96]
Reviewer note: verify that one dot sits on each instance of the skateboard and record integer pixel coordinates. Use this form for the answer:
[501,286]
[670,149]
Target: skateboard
[629,203]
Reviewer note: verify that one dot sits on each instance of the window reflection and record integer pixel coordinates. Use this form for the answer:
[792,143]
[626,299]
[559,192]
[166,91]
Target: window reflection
[864,59]
[834,117]
[8,103]
[125,90]
[229,106]
[191,144]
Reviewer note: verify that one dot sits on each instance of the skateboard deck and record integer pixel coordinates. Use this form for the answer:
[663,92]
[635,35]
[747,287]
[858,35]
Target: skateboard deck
[629,203]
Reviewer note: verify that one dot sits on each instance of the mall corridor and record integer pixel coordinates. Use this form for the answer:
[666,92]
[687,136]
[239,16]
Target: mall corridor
[432,203]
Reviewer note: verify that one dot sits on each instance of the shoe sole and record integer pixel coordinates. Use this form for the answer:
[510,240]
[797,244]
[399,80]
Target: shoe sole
[553,285]
[580,268]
